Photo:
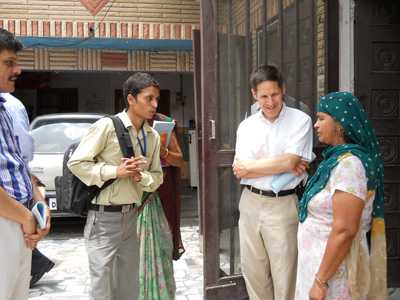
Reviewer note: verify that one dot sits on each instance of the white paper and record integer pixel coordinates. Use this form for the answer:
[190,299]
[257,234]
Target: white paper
[281,180]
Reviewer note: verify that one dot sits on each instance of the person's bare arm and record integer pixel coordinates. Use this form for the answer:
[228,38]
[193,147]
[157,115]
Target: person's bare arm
[271,166]
[15,211]
[173,155]
[39,190]
[347,211]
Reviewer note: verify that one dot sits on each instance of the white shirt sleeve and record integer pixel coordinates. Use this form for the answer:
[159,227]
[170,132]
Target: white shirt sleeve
[242,149]
[300,140]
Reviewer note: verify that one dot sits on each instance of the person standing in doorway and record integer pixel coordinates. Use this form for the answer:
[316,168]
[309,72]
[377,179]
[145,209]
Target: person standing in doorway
[275,140]
[18,231]
[110,231]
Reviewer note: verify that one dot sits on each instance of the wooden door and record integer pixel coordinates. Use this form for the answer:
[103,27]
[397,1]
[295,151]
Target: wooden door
[224,103]
[377,85]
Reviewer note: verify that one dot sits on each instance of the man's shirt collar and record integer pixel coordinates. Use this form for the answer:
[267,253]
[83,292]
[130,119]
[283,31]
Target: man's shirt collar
[2,100]
[127,121]
[277,120]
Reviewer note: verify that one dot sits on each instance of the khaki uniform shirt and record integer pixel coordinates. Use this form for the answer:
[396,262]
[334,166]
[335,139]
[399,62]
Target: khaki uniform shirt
[98,156]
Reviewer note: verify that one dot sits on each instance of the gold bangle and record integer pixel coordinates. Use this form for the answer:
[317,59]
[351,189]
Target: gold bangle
[323,284]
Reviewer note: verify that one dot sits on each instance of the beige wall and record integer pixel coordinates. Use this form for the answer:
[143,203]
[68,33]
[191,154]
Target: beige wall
[146,19]
[58,59]
[131,19]
[160,11]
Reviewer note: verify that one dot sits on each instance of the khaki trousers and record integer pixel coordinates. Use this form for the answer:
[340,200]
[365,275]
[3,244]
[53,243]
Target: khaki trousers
[15,262]
[268,245]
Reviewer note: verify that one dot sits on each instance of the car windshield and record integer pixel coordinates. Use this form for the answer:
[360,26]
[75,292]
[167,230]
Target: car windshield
[57,137]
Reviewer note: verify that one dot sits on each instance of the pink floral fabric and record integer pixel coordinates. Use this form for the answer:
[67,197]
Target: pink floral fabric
[348,176]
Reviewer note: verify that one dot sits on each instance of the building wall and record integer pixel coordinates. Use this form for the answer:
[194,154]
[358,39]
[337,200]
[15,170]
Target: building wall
[149,19]
[85,19]
[146,11]
[59,59]
[96,91]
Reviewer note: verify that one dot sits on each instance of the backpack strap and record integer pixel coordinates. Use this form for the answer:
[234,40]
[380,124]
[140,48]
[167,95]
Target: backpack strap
[123,136]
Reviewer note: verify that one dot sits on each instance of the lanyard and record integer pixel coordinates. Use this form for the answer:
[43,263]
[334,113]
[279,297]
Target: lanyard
[143,147]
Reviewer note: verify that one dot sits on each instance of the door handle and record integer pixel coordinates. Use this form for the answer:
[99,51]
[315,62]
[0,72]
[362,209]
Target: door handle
[212,123]
[221,286]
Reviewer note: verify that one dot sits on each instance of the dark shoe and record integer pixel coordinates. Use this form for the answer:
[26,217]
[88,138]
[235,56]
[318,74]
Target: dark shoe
[36,277]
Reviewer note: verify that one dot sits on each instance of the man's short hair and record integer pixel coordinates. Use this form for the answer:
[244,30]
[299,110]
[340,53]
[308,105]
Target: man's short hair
[266,73]
[8,41]
[136,83]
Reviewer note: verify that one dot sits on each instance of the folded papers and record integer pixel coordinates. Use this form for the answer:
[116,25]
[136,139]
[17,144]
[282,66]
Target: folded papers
[281,180]
[39,211]
[164,128]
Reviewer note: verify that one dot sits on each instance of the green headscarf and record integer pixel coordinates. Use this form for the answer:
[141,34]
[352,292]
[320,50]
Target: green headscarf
[347,110]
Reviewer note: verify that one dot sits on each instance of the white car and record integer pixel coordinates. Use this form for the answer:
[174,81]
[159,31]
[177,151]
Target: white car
[52,135]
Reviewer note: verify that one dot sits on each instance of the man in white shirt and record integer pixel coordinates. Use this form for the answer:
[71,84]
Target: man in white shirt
[275,140]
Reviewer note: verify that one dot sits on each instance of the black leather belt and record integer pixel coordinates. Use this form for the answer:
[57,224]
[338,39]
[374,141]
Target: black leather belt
[270,193]
[112,208]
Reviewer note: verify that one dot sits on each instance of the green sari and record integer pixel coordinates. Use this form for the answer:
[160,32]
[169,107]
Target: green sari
[156,276]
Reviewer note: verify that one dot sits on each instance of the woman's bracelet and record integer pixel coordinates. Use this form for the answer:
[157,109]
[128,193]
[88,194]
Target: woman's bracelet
[323,284]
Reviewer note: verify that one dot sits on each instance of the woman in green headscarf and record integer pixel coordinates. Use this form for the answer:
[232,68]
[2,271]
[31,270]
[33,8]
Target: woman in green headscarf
[341,203]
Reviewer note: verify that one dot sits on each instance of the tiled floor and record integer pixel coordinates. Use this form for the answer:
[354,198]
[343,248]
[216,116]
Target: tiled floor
[69,279]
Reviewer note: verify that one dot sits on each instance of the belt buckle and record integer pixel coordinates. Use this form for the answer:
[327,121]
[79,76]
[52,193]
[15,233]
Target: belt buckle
[126,208]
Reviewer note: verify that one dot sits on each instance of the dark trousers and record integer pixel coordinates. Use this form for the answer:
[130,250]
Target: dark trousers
[39,262]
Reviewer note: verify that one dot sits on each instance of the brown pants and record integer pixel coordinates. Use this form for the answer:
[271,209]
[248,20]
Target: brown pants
[268,245]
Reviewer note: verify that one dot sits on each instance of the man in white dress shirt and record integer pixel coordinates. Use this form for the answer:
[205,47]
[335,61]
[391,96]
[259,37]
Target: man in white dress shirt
[277,139]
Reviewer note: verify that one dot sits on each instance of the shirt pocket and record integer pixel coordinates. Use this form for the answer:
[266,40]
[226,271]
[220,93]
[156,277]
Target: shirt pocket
[260,148]
[112,150]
